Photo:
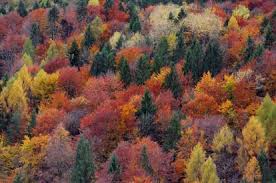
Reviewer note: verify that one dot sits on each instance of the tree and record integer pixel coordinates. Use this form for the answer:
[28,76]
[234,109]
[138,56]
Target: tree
[194,57]
[13,130]
[29,48]
[81,9]
[182,14]
[74,55]
[161,55]
[195,162]
[265,167]
[88,37]
[32,122]
[213,58]
[21,10]
[254,137]
[143,70]
[124,71]
[114,165]
[223,139]
[84,168]
[36,35]
[269,37]
[252,172]
[146,115]
[104,61]
[173,133]
[249,50]
[53,16]
[209,172]
[172,82]
[134,24]
[179,52]
[145,163]
[18,178]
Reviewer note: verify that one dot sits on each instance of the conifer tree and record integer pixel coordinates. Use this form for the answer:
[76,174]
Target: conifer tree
[161,56]
[114,168]
[269,37]
[213,58]
[74,55]
[124,71]
[35,5]
[53,16]
[249,50]
[107,6]
[145,163]
[35,34]
[143,70]
[194,57]
[32,122]
[18,178]
[88,37]
[146,115]
[173,133]
[182,14]
[209,172]
[265,168]
[179,52]
[195,162]
[81,9]
[28,48]
[258,52]
[172,83]
[104,61]
[21,10]
[134,24]
[84,168]
[13,129]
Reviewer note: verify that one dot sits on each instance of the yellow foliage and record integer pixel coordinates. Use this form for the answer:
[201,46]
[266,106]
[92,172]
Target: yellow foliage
[206,82]
[161,76]
[44,84]
[226,107]
[241,11]
[209,172]
[233,23]
[224,138]
[33,150]
[172,41]
[93,3]
[114,39]
[252,172]
[127,111]
[27,59]
[229,85]
[24,75]
[254,137]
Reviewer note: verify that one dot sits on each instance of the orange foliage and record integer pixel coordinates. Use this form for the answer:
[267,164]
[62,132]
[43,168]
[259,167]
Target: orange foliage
[132,54]
[58,100]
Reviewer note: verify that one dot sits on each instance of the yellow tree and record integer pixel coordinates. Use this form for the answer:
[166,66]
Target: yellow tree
[233,23]
[254,137]
[252,172]
[223,139]
[209,172]
[27,59]
[25,77]
[195,162]
[44,84]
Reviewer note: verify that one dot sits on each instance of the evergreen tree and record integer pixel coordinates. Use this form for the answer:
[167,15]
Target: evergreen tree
[13,129]
[119,43]
[104,61]
[146,115]
[35,5]
[114,165]
[143,70]
[36,35]
[249,50]
[213,58]
[269,37]
[107,6]
[21,10]
[173,133]
[161,56]
[74,55]
[124,71]
[81,9]
[18,179]
[53,16]
[32,122]
[179,52]
[145,163]
[134,24]
[171,17]
[258,52]
[88,37]
[182,14]
[264,23]
[172,82]
[28,48]
[84,168]
[194,57]
[265,168]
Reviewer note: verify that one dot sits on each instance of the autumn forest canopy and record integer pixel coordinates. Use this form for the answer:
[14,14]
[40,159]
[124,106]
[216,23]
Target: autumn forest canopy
[137,91]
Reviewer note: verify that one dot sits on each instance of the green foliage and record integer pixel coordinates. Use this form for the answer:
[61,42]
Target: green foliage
[35,34]
[28,48]
[53,16]
[74,55]
[81,9]
[179,52]
[13,130]
[173,133]
[88,37]
[134,24]
[21,10]
[143,70]
[265,168]
[18,179]
[269,37]
[161,55]
[172,83]
[124,71]
[147,105]
[249,50]
[84,168]
[104,61]
[145,163]
[32,122]
[114,165]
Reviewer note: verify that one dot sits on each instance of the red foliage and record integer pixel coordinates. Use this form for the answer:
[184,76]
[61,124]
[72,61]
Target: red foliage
[56,64]
[132,54]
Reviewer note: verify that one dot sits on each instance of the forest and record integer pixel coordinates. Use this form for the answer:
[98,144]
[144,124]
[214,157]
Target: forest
[137,91]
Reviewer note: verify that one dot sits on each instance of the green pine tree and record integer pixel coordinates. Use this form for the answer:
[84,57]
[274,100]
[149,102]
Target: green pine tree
[21,10]
[13,130]
[36,35]
[104,61]
[53,16]
[145,163]
[143,70]
[28,48]
[213,58]
[173,133]
[32,122]
[124,71]
[88,37]
[18,178]
[172,83]
[179,52]
[134,24]
[81,9]
[194,57]
[147,105]
[265,168]
[249,50]
[84,168]
[182,14]
[269,37]
[258,52]
[74,55]
[114,165]
[161,56]
[35,5]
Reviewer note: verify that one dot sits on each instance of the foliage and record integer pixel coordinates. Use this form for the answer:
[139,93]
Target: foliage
[173,133]
[223,139]
[143,70]
[124,71]
[172,82]
[209,172]
[252,171]
[241,11]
